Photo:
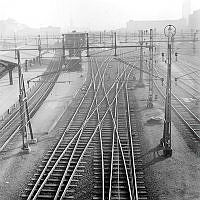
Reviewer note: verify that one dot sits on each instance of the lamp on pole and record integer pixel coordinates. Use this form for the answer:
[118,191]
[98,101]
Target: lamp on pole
[169,31]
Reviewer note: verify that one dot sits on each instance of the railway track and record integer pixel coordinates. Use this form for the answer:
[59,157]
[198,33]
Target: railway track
[188,118]
[9,127]
[187,86]
[94,158]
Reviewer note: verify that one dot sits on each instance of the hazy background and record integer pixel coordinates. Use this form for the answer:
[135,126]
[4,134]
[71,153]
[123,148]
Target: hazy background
[90,14]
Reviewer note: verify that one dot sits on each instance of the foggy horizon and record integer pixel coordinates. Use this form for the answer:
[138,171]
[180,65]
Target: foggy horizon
[91,14]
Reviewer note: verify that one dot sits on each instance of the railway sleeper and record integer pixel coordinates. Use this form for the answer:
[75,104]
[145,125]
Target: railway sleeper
[44,196]
[65,158]
[120,193]
[140,179]
[97,164]
[107,147]
[142,193]
[137,150]
[63,161]
[75,125]
[97,180]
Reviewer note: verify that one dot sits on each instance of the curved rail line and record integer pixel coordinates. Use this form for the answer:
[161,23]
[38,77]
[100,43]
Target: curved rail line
[184,113]
[10,126]
[183,85]
[94,157]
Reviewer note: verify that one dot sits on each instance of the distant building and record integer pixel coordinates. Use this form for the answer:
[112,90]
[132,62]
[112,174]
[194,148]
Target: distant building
[75,40]
[187,21]
[159,25]
[10,26]
[50,30]
[194,20]
[186,7]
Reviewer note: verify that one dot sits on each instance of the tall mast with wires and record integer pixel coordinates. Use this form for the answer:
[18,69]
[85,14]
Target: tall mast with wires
[150,95]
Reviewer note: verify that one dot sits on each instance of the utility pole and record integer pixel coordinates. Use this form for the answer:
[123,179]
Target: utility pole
[194,40]
[165,142]
[24,112]
[150,95]
[39,49]
[100,37]
[141,40]
[32,140]
[25,145]
[104,37]
[25,40]
[112,38]
[63,49]
[15,41]
[87,35]
[47,42]
[115,34]
[126,37]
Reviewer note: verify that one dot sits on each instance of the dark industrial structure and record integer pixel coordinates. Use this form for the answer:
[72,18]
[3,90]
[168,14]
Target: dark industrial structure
[74,43]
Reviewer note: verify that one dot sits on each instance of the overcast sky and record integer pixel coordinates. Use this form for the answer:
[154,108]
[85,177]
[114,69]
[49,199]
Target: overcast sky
[92,14]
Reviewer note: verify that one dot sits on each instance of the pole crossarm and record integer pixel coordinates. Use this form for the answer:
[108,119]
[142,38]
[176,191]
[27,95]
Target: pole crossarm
[141,40]
[45,74]
[83,48]
[50,81]
[151,60]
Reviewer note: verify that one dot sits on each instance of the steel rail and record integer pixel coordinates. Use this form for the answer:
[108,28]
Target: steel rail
[67,128]
[116,129]
[135,192]
[102,150]
[186,108]
[185,84]
[54,153]
[115,123]
[85,148]
[79,136]
[179,114]
[113,140]
[32,95]
[33,106]
[88,143]
[101,142]
[14,118]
